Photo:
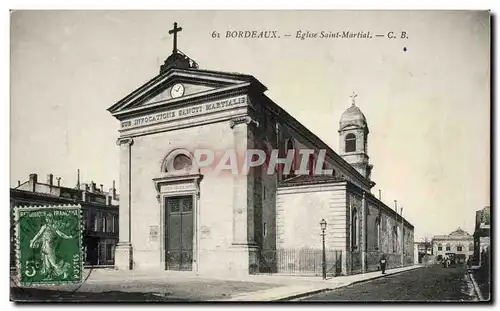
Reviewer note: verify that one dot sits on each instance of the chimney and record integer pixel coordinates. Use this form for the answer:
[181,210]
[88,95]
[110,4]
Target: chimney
[109,196]
[33,181]
[58,181]
[33,178]
[18,183]
[92,186]
[78,179]
[114,191]
[102,189]
[50,179]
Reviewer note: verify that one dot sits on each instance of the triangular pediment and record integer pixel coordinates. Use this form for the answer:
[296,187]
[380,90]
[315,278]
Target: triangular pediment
[177,85]
[177,90]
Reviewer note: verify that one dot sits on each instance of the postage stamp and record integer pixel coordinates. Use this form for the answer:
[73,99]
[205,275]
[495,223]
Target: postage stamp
[49,244]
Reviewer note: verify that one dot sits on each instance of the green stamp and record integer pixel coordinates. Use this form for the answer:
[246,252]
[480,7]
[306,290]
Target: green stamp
[49,244]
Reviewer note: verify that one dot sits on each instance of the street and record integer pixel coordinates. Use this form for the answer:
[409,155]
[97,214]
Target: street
[433,283]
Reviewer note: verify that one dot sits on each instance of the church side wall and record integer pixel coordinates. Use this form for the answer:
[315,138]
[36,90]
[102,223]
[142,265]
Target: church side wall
[215,209]
[262,189]
[372,246]
[299,212]
[390,242]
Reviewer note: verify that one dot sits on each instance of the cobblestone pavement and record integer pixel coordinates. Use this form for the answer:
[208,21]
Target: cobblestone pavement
[433,283]
[140,291]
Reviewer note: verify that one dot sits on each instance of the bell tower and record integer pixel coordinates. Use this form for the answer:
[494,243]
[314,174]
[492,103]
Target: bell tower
[353,135]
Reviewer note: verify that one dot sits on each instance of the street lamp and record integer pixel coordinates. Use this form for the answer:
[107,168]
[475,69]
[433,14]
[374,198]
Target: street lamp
[323,228]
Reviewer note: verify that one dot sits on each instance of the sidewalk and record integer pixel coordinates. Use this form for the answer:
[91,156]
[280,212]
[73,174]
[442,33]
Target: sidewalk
[286,287]
[297,291]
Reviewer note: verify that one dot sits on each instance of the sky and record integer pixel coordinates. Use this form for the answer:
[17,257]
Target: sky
[427,106]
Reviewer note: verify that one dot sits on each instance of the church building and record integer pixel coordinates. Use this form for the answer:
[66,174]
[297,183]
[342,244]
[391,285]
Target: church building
[221,221]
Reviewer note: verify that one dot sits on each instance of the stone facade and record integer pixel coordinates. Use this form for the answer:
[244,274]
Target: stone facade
[234,217]
[358,224]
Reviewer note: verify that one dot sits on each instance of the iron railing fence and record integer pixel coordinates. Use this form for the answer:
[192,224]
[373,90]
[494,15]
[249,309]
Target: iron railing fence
[303,261]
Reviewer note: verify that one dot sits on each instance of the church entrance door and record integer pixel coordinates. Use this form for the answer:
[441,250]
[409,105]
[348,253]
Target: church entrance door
[179,233]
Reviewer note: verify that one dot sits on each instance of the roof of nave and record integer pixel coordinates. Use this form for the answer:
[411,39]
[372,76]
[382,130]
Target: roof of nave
[306,180]
[302,180]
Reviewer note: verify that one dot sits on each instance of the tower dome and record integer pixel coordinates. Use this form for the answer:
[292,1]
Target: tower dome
[353,116]
[353,135]
[353,113]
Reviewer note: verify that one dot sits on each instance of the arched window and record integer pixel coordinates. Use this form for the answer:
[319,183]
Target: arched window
[176,161]
[394,239]
[350,142]
[377,233]
[440,247]
[354,230]
[290,146]
[182,162]
[448,247]
[311,164]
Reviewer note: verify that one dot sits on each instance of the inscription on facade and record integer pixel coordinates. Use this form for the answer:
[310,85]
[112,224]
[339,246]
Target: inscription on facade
[153,233]
[178,188]
[181,113]
[205,232]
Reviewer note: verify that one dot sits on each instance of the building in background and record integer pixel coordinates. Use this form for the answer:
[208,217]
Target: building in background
[459,243]
[100,212]
[482,236]
[423,248]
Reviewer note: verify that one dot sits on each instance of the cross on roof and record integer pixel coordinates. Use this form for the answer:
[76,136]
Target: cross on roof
[175,31]
[353,97]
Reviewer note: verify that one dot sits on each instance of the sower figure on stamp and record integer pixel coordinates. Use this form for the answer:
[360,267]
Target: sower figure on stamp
[383,262]
[45,239]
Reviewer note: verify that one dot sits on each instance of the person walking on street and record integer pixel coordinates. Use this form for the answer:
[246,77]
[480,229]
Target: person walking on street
[383,262]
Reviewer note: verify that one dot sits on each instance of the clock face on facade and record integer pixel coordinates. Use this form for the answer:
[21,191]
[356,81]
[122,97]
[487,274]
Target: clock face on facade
[177,90]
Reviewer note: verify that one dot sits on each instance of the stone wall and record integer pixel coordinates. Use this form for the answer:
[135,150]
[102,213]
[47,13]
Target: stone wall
[300,210]
[215,210]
